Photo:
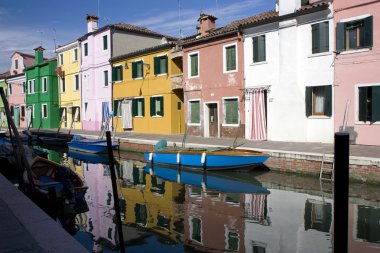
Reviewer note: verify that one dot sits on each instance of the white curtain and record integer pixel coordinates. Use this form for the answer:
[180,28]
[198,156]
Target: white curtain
[319,99]
[258,127]
[28,116]
[126,111]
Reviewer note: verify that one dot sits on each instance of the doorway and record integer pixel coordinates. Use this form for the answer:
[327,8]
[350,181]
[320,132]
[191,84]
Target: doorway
[212,120]
[17,116]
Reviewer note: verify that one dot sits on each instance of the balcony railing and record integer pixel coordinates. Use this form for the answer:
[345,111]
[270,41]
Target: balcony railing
[176,81]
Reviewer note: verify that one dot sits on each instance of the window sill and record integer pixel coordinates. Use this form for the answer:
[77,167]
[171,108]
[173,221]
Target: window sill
[141,116]
[367,123]
[354,51]
[319,54]
[230,125]
[192,77]
[319,117]
[163,74]
[118,81]
[258,63]
[229,71]
[138,78]
[194,124]
[156,116]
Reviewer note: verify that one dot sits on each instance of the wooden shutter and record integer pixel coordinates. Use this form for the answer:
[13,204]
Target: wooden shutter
[368,31]
[363,104]
[115,105]
[324,37]
[134,70]
[194,64]
[315,38]
[255,49]
[375,103]
[134,107]
[309,101]
[161,105]
[156,65]
[328,101]
[143,106]
[166,64]
[113,74]
[121,73]
[152,106]
[261,48]
[340,37]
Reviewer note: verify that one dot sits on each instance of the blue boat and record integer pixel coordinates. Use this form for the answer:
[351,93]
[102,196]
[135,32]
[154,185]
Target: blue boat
[207,180]
[206,158]
[94,146]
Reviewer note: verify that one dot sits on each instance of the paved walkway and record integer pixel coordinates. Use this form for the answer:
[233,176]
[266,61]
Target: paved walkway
[269,146]
[26,228]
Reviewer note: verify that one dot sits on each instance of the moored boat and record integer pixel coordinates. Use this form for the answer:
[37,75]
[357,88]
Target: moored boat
[53,141]
[206,158]
[89,145]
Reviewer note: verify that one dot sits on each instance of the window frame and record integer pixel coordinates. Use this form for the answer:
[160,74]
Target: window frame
[310,96]
[44,80]
[357,105]
[137,99]
[23,90]
[158,57]
[135,65]
[16,64]
[76,82]
[253,48]
[105,79]
[225,60]
[42,111]
[189,64]
[31,84]
[224,112]
[60,57]
[189,112]
[75,54]
[155,109]
[319,32]
[85,49]
[105,42]
[115,73]
[191,228]
[9,89]
[62,87]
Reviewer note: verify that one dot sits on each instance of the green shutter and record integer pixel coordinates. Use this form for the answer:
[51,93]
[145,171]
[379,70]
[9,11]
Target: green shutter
[156,63]
[143,106]
[324,37]
[309,101]
[113,74]
[194,64]
[134,107]
[368,31]
[105,46]
[261,48]
[231,58]
[328,101]
[340,37]
[315,39]
[375,103]
[363,104]
[134,70]
[166,64]
[115,106]
[161,105]
[255,49]
[152,106]
[121,73]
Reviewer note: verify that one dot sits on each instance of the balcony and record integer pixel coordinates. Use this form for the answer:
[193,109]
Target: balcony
[176,52]
[176,81]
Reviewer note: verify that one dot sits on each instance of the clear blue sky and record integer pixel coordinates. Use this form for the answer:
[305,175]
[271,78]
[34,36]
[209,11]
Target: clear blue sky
[25,24]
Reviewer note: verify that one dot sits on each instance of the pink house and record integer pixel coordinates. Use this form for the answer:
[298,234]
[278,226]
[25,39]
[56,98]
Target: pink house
[17,87]
[357,82]
[213,80]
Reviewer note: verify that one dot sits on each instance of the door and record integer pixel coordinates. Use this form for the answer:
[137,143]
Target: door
[17,116]
[28,117]
[213,120]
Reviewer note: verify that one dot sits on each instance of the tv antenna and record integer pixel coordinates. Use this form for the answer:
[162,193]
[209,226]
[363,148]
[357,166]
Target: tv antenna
[41,32]
[55,39]
[179,20]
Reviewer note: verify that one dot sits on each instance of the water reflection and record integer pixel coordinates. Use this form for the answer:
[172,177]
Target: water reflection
[167,210]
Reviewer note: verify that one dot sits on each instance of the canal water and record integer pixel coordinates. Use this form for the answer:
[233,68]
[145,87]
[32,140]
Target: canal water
[166,210]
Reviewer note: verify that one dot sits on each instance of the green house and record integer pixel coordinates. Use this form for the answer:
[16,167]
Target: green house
[42,91]
[3,84]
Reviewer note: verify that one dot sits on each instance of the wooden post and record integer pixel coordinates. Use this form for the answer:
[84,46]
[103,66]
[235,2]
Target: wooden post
[341,151]
[114,190]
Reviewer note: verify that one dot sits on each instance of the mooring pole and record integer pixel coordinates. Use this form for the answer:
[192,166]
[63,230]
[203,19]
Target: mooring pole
[115,195]
[342,153]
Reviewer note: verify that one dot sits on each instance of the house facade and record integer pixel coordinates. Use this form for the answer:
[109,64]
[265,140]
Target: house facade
[146,97]
[357,99]
[97,48]
[289,73]
[16,83]
[68,70]
[3,84]
[42,92]
[213,80]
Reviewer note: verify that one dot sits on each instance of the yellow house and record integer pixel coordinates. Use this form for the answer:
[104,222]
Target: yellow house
[147,91]
[68,57]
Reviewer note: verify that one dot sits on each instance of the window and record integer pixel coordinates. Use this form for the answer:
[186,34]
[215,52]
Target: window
[75,54]
[23,87]
[230,111]
[76,82]
[157,106]
[16,64]
[354,34]
[44,84]
[196,229]
[44,111]
[76,113]
[369,104]
[85,49]
[232,240]
[194,112]
[320,37]
[63,84]
[85,110]
[230,58]
[117,73]
[194,65]
[259,53]
[10,89]
[31,86]
[116,104]
[105,74]
[105,42]
[60,59]
[23,111]
[318,101]
[161,65]
[137,69]
[138,107]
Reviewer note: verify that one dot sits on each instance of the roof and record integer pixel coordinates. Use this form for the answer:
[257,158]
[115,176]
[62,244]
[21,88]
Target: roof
[23,54]
[5,74]
[128,28]
[142,51]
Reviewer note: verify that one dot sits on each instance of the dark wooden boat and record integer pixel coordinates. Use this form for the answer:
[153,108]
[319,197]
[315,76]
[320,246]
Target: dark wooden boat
[53,141]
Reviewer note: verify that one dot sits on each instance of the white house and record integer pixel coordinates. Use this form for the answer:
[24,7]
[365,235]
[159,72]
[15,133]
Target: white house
[288,67]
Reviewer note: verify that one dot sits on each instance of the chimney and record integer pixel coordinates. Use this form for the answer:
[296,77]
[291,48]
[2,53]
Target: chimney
[206,23]
[92,23]
[39,54]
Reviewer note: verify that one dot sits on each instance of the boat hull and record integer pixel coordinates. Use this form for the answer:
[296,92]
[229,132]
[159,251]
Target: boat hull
[52,141]
[90,146]
[211,160]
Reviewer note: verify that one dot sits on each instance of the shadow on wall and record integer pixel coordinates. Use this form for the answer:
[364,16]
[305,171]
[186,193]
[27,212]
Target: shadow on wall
[351,131]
